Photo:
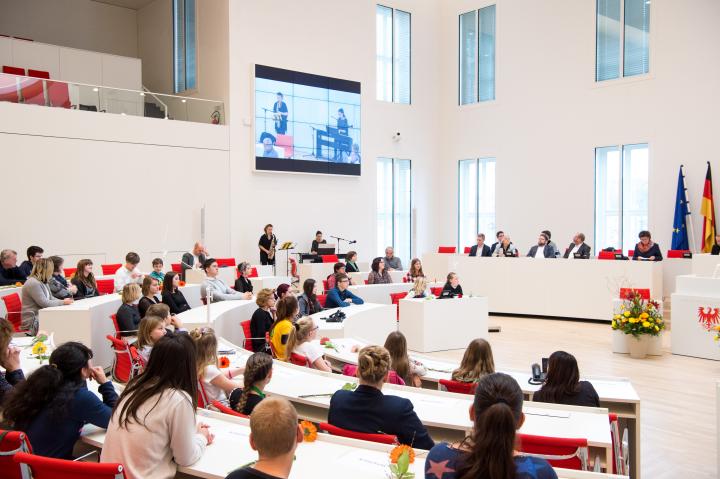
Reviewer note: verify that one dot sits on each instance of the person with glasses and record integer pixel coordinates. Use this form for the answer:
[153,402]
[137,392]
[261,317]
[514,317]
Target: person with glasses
[340,296]
[302,342]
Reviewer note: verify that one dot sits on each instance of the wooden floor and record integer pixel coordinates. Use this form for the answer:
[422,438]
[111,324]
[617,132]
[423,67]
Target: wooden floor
[678,404]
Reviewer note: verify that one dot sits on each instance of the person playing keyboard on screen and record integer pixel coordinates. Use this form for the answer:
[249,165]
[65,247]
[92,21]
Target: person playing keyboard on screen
[342,122]
[280,113]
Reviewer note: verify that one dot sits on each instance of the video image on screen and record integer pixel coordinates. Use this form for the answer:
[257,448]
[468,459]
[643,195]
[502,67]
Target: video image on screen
[306,123]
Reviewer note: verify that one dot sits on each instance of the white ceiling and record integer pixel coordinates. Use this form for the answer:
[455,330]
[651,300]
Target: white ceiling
[134,4]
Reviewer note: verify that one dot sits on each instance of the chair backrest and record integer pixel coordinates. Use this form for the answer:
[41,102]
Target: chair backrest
[363,436]
[643,292]
[329,258]
[9,88]
[68,272]
[176,267]
[325,285]
[118,336]
[395,299]
[32,91]
[105,286]
[631,253]
[12,442]
[436,291]
[226,410]
[299,360]
[13,70]
[13,306]
[122,365]
[677,253]
[569,453]
[203,398]
[51,468]
[447,249]
[393,378]
[253,272]
[225,262]
[606,255]
[248,334]
[58,94]
[321,299]
[467,249]
[458,387]
[38,74]
[110,268]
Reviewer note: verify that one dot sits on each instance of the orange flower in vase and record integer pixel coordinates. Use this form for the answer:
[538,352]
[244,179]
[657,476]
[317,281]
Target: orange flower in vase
[309,431]
[224,362]
[18,284]
[182,283]
[398,450]
[324,340]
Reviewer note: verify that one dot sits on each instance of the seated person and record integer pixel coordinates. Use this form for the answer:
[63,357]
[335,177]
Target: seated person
[368,410]
[300,342]
[563,385]
[338,268]
[392,262]
[162,310]
[171,294]
[308,302]
[556,251]
[194,259]
[12,372]
[128,315]
[215,287]
[34,253]
[480,249]
[150,331]
[287,310]
[419,289]
[340,296]
[257,375]
[476,362]
[217,385]
[499,236]
[150,287]
[59,286]
[716,247]
[490,452]
[317,242]
[415,271]
[129,272]
[243,283]
[157,272]
[579,247]
[53,403]
[84,280]
[351,265]
[378,273]
[542,249]
[262,320]
[505,248]
[281,291]
[9,271]
[452,288]
[274,434]
[36,295]
[410,370]
[646,249]
[267,147]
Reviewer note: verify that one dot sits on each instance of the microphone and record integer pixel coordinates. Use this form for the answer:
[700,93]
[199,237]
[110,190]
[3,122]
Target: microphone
[352,242]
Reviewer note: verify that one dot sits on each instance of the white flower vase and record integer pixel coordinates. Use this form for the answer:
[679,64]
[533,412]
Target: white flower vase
[638,347]
[655,345]
[619,343]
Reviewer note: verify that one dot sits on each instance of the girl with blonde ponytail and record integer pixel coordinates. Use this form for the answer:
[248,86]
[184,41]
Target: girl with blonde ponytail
[300,342]
[258,372]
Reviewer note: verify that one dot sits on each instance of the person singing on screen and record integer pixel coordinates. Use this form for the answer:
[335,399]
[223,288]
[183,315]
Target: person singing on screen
[280,113]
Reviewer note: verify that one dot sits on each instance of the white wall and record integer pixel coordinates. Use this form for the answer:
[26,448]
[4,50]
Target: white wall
[333,38]
[550,114]
[81,24]
[155,45]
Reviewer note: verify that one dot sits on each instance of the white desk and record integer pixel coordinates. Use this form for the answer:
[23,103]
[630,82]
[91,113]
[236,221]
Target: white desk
[704,264]
[672,268]
[197,276]
[263,270]
[225,318]
[88,321]
[271,282]
[371,322]
[380,293]
[689,337]
[442,324]
[361,277]
[552,287]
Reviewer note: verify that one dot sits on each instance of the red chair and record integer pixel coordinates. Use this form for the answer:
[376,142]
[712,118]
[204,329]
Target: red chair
[225,262]
[38,74]
[13,70]
[395,299]
[457,387]
[631,252]
[203,401]
[105,286]
[248,334]
[321,299]
[176,267]
[677,253]
[436,291]
[325,285]
[226,410]
[122,365]
[393,378]
[13,306]
[607,254]
[404,279]
[50,468]
[467,250]
[618,460]
[447,249]
[9,89]
[253,272]
[643,292]
[363,436]
[58,94]
[118,336]
[110,268]
[568,453]
[299,360]
[11,443]
[68,272]
[32,91]
[329,258]
[286,143]
[366,281]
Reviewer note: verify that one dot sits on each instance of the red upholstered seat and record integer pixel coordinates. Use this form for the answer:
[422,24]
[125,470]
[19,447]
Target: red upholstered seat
[176,267]
[393,378]
[13,70]
[225,262]
[253,272]
[9,88]
[395,299]
[32,91]
[226,410]
[569,453]
[677,253]
[105,286]
[50,468]
[110,268]
[643,292]
[299,360]
[325,285]
[436,291]
[631,253]
[321,299]
[606,255]
[458,387]
[447,249]
[38,74]
[329,258]
[68,272]
[122,365]
[248,334]
[363,436]
[11,443]
[467,249]
[58,94]
[13,306]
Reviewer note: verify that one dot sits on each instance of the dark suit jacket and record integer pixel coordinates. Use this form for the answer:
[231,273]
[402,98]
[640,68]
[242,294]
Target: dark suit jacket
[548,251]
[368,410]
[584,250]
[485,250]
[188,261]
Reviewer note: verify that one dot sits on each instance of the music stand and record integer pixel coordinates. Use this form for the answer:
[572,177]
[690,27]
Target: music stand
[287,247]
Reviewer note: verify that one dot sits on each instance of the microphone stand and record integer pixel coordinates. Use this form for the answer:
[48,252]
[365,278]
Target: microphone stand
[349,242]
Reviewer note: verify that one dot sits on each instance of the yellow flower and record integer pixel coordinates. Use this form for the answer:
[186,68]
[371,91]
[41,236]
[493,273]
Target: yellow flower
[633,320]
[39,349]
[624,320]
[651,319]
[626,314]
[646,324]
[644,315]
[657,329]
[617,316]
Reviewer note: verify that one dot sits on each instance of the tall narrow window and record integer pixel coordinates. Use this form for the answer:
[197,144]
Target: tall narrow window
[477,56]
[622,38]
[621,195]
[184,50]
[393,54]
[394,206]
[476,200]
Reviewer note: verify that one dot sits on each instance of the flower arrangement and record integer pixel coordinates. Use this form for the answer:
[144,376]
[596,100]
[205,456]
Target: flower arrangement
[39,349]
[401,457]
[309,431]
[223,362]
[638,317]
[715,330]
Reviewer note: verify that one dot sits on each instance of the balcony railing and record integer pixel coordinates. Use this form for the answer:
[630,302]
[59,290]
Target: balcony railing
[120,101]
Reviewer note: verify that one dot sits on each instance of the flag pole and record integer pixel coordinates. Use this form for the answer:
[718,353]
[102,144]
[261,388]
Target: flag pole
[690,218]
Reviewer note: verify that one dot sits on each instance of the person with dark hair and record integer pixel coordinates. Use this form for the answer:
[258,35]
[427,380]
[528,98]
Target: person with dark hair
[153,430]
[367,409]
[243,283]
[542,249]
[477,361]
[150,287]
[578,247]
[646,249]
[267,244]
[480,249]
[410,370]
[281,291]
[489,452]
[342,122]
[563,385]
[9,360]
[84,280]
[262,320]
[308,302]
[317,242]
[379,274]
[340,296]
[452,288]
[59,286]
[287,310]
[280,114]
[415,271]
[257,375]
[499,236]
[34,253]
[215,288]
[716,247]
[556,251]
[338,268]
[129,272]
[9,271]
[157,272]
[171,294]
[53,403]
[351,262]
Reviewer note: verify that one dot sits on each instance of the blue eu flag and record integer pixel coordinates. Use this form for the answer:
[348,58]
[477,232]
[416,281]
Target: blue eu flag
[680,233]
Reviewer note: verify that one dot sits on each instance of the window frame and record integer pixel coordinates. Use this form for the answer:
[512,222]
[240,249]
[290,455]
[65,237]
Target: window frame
[476,82]
[186,89]
[393,193]
[479,161]
[393,49]
[622,78]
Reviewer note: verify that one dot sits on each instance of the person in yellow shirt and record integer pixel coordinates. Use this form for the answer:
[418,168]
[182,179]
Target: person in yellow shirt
[287,310]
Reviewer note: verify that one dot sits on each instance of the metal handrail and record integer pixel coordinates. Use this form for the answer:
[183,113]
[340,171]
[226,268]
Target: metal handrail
[157,99]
